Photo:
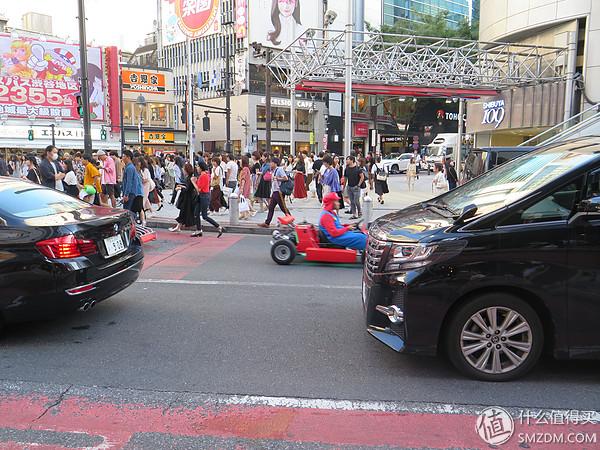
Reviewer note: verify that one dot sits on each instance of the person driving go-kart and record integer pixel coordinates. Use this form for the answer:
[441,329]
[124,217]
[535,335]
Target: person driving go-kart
[334,231]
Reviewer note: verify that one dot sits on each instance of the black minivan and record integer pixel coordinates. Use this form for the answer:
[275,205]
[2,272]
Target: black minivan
[496,271]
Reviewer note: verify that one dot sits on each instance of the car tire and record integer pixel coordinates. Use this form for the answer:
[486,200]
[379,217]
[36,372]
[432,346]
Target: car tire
[395,169]
[508,347]
[283,252]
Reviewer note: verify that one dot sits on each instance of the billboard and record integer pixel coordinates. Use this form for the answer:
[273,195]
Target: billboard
[193,18]
[141,81]
[278,23]
[40,79]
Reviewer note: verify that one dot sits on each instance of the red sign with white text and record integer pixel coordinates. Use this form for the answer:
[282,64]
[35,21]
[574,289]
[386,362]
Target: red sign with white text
[361,129]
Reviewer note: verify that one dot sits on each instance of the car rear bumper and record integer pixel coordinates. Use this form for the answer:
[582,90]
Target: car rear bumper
[78,286]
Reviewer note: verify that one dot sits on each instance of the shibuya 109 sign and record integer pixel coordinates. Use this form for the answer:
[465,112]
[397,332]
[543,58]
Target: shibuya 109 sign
[189,18]
[39,79]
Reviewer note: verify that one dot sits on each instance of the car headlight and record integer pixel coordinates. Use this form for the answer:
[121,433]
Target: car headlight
[413,256]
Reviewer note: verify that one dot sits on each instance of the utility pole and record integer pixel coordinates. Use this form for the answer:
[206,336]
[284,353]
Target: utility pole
[268,100]
[190,100]
[348,90]
[159,41]
[227,94]
[121,112]
[87,132]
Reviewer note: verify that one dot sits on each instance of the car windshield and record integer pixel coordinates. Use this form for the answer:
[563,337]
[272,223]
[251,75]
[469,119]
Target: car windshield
[28,200]
[516,179]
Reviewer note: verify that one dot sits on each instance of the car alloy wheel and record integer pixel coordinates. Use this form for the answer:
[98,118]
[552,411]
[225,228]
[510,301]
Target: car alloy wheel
[494,337]
[496,340]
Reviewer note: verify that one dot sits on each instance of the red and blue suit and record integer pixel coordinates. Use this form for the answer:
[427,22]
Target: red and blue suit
[335,232]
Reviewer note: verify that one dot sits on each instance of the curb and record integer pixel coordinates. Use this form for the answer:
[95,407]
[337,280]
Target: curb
[251,229]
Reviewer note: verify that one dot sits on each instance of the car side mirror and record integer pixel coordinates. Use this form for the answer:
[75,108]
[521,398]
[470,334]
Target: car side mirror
[590,206]
[468,212]
[3,222]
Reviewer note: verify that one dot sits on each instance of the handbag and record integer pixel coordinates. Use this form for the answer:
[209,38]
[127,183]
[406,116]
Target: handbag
[268,176]
[287,187]
[244,204]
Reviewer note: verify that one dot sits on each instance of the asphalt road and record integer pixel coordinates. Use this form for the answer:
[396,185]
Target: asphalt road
[219,317]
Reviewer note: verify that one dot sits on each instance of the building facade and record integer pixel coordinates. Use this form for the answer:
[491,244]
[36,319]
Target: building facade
[148,110]
[574,25]
[413,10]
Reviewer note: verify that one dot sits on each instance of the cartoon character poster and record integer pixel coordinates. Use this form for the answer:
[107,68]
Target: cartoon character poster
[41,78]
[278,23]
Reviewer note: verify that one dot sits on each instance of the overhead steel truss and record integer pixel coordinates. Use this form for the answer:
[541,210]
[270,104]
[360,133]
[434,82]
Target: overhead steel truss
[318,57]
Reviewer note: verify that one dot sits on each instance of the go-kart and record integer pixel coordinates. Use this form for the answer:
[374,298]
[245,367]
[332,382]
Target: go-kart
[292,239]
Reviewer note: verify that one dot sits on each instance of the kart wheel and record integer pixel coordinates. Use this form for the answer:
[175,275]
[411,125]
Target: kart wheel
[495,337]
[283,252]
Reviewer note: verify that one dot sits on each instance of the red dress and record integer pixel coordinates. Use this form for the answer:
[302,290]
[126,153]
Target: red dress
[299,185]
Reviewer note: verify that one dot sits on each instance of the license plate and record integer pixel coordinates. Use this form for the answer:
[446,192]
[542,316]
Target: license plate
[114,245]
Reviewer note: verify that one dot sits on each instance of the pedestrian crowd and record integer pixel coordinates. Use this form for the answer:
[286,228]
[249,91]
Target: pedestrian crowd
[263,181]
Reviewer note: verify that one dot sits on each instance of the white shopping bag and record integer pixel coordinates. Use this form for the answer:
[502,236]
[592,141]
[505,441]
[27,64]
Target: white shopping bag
[244,204]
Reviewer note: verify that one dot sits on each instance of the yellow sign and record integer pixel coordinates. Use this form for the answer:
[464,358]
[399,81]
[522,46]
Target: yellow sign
[159,137]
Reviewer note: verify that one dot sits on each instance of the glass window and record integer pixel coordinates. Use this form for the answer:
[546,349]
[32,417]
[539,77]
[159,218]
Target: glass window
[27,201]
[159,114]
[555,207]
[303,120]
[518,178]
[280,118]
[127,113]
[593,186]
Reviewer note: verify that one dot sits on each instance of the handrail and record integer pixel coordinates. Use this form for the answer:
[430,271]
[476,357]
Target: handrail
[573,129]
[549,130]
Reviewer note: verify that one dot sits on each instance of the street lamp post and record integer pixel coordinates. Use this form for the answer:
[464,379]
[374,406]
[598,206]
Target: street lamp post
[141,102]
[348,89]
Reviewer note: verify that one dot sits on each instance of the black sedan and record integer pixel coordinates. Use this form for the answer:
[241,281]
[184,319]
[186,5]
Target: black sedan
[59,254]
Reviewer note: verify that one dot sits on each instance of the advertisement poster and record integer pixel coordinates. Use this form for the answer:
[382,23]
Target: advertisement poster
[278,23]
[193,18]
[40,79]
[241,19]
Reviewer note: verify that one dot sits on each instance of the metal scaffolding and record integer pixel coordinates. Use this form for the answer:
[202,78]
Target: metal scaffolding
[317,59]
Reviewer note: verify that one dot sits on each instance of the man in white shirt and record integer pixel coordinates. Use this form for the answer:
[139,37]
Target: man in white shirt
[231,171]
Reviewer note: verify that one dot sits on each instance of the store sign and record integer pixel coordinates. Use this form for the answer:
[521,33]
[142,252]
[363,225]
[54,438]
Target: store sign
[45,132]
[189,18]
[361,129]
[440,114]
[301,104]
[493,113]
[156,137]
[138,81]
[387,139]
[41,78]
[241,19]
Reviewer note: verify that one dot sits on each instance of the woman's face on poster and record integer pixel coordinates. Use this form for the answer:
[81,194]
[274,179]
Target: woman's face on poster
[287,7]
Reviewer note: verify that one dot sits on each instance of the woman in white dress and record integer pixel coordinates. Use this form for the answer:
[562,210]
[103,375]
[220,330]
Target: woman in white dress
[147,185]
[440,183]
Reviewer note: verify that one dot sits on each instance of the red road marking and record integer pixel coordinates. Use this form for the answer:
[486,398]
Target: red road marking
[184,253]
[116,423]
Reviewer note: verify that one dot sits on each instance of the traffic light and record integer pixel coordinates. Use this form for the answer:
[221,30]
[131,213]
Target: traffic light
[79,99]
[184,113]
[30,135]
[206,123]
[103,134]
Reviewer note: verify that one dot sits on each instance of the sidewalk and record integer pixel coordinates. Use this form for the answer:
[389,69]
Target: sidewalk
[306,209]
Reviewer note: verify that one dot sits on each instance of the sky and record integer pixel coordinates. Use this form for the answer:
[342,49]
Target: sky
[123,23]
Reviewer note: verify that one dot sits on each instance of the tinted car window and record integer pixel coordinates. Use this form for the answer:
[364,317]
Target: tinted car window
[555,207]
[516,179]
[27,200]
[593,186]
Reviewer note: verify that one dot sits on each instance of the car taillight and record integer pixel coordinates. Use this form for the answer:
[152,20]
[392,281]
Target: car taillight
[65,247]
[132,231]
